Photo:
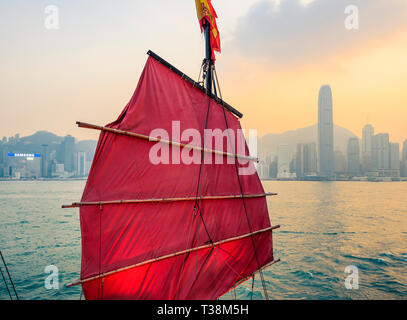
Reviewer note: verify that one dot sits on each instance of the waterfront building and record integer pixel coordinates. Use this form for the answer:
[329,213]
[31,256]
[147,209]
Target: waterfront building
[404,160]
[380,152]
[306,159]
[340,162]
[367,136]
[353,155]
[394,160]
[273,168]
[283,161]
[67,153]
[44,161]
[80,164]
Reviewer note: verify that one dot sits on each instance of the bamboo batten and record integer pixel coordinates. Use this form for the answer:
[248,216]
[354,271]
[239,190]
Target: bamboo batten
[173,143]
[80,281]
[99,203]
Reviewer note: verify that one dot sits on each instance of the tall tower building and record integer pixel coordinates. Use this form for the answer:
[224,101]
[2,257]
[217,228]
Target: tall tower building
[394,160]
[44,161]
[283,161]
[380,153]
[306,159]
[404,157]
[353,156]
[404,160]
[340,162]
[68,146]
[80,161]
[367,136]
[325,132]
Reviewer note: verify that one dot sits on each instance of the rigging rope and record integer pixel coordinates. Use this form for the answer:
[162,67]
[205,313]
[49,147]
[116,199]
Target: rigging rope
[5,282]
[241,190]
[251,295]
[196,204]
[9,276]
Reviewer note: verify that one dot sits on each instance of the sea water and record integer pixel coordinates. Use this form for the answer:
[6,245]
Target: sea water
[325,227]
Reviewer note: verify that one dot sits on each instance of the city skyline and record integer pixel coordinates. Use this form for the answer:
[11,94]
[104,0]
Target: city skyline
[94,137]
[374,157]
[45,155]
[384,158]
[65,158]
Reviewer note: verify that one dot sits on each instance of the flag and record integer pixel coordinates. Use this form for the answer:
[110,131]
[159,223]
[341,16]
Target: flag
[206,12]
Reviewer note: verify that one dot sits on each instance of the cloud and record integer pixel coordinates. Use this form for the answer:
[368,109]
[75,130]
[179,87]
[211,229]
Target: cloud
[287,32]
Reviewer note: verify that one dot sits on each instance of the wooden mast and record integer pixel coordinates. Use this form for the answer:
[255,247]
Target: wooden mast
[208,59]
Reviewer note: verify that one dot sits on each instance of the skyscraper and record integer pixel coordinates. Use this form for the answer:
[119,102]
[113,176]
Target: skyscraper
[353,156]
[306,159]
[340,162]
[394,160]
[380,153]
[67,147]
[273,168]
[283,161]
[403,167]
[367,136]
[404,157]
[325,132]
[80,163]
[44,161]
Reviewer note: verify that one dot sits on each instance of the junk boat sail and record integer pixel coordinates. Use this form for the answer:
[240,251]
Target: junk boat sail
[172,229]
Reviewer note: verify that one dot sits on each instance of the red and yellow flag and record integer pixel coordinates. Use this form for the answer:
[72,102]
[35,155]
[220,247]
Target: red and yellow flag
[206,12]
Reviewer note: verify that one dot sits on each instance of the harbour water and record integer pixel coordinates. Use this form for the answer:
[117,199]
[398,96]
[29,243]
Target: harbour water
[325,227]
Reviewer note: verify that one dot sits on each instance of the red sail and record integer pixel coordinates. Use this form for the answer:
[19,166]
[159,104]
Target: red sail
[169,249]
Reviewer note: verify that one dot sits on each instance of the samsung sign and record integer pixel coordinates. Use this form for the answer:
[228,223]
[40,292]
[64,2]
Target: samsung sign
[25,155]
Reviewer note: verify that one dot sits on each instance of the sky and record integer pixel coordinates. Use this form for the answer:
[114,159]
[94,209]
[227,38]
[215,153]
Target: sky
[275,57]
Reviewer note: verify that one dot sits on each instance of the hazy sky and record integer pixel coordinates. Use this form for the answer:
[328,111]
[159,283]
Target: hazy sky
[275,56]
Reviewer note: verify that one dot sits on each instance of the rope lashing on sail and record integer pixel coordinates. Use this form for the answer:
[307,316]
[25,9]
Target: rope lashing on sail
[99,203]
[199,76]
[80,281]
[9,276]
[197,203]
[173,143]
[251,294]
[242,193]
